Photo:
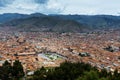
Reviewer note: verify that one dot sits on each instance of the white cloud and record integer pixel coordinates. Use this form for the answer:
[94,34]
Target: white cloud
[32,6]
[61,6]
[92,7]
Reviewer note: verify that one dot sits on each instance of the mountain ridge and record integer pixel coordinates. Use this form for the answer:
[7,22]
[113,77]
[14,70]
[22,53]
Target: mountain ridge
[46,23]
[60,23]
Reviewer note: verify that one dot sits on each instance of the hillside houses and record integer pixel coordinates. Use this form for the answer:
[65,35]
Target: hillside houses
[90,48]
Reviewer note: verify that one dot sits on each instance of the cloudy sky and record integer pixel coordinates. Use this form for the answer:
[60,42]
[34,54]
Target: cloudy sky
[91,7]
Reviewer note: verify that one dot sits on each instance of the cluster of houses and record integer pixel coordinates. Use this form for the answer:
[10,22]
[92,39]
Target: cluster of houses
[112,48]
[27,48]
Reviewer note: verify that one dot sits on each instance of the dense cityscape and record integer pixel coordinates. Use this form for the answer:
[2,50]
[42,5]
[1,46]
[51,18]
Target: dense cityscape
[37,49]
[59,40]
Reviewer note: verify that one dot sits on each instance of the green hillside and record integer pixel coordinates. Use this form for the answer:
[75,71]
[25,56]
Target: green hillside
[46,23]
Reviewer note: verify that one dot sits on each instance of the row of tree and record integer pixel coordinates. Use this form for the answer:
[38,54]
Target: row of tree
[74,71]
[11,72]
[66,71]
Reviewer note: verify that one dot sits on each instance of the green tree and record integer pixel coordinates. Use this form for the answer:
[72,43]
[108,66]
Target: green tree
[103,78]
[5,71]
[91,75]
[103,73]
[40,74]
[17,71]
[116,75]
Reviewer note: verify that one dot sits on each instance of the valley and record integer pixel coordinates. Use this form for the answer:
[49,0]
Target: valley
[50,49]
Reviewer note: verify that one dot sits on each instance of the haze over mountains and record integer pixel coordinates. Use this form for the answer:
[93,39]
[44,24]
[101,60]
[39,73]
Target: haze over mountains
[59,23]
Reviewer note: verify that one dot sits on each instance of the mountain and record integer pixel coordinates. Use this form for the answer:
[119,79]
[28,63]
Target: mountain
[11,16]
[94,21]
[60,23]
[46,23]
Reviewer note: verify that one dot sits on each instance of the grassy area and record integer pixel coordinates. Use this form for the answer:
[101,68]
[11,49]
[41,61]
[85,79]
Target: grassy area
[53,56]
